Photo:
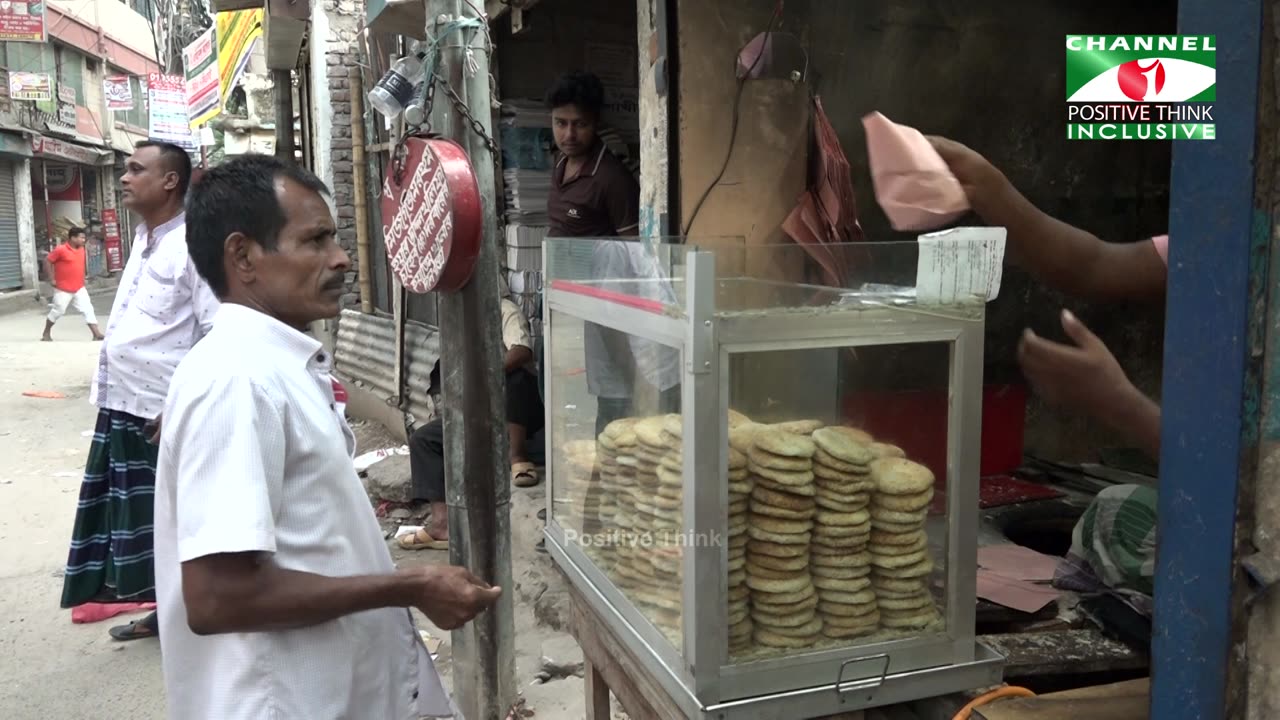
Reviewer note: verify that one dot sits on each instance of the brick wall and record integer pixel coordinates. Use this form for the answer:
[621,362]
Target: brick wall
[333,161]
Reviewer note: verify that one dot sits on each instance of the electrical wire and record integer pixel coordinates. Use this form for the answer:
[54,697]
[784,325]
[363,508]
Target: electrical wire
[733,126]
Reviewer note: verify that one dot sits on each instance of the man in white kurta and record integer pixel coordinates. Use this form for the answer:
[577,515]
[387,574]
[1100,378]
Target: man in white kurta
[278,596]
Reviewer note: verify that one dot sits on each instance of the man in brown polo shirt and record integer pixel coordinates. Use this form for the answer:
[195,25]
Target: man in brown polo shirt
[594,195]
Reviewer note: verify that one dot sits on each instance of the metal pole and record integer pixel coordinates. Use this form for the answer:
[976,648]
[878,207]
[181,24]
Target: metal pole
[282,80]
[358,191]
[1221,221]
[477,477]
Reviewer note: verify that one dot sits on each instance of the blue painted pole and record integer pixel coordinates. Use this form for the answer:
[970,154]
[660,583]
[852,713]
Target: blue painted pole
[1211,216]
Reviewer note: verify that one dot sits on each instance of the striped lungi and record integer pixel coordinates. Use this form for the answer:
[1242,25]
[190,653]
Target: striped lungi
[111,545]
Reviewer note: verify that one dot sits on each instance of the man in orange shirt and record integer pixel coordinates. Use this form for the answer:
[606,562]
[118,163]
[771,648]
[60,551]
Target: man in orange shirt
[65,267]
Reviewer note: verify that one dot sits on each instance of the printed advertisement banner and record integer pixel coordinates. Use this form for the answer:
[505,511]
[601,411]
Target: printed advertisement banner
[167,95]
[30,86]
[22,21]
[118,91]
[237,33]
[200,61]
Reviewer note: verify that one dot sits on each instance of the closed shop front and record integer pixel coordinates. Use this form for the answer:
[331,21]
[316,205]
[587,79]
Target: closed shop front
[10,254]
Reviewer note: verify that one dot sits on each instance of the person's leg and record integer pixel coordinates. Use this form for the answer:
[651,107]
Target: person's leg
[610,409]
[57,308]
[84,305]
[524,415]
[426,468]
[132,479]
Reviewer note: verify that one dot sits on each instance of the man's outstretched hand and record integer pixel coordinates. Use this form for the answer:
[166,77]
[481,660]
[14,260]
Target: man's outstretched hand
[450,596]
[1083,376]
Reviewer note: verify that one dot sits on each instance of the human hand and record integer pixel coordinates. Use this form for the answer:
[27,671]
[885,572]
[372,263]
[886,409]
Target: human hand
[450,596]
[1083,376]
[152,429]
[978,177]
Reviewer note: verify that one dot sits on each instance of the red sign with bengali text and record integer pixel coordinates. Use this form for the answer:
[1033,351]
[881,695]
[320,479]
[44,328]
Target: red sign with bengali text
[111,241]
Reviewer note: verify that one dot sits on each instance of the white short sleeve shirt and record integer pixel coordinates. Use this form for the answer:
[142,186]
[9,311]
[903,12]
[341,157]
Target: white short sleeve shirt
[162,308]
[256,456]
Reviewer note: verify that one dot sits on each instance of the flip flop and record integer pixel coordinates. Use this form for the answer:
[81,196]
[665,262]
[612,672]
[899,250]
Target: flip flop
[415,542]
[524,475]
[136,630]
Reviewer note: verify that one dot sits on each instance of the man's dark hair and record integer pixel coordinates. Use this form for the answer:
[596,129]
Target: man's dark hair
[176,159]
[581,89]
[74,232]
[238,196]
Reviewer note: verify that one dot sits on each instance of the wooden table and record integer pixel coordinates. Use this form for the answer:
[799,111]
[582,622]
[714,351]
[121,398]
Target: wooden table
[610,665]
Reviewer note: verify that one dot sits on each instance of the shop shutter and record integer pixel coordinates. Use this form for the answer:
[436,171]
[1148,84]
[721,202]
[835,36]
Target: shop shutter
[10,257]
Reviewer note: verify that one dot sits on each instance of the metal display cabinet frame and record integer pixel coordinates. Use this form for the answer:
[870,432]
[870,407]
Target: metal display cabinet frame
[702,679]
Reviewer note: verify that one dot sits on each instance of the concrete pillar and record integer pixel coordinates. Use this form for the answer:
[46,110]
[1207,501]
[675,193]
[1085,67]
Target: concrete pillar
[26,225]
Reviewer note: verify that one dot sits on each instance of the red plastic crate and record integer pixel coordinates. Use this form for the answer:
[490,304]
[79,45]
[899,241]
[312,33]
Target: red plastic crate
[916,421]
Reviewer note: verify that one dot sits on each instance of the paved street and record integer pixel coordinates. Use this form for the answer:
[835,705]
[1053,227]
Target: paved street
[53,669]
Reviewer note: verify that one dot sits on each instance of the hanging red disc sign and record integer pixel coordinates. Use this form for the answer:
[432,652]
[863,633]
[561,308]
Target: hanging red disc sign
[431,215]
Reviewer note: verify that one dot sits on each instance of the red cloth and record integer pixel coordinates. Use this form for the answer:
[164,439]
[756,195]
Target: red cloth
[826,213]
[68,267]
[97,612]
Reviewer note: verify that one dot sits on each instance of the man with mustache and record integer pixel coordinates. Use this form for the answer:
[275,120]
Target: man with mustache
[1113,546]
[162,308]
[277,593]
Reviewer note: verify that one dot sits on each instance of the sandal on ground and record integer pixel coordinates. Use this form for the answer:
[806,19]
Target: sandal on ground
[136,630]
[422,540]
[524,475]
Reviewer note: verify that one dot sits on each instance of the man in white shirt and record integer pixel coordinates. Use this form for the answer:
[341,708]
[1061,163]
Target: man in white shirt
[277,594]
[161,309]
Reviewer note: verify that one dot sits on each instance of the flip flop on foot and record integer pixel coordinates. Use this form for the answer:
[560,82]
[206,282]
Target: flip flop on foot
[136,630]
[524,475]
[422,540]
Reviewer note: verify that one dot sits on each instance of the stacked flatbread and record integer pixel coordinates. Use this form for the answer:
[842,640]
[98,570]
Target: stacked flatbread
[657,500]
[576,485]
[899,547]
[780,524]
[841,565]
[612,446]
[626,523]
[661,601]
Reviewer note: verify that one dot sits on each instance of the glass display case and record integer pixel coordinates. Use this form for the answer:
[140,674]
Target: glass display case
[736,480]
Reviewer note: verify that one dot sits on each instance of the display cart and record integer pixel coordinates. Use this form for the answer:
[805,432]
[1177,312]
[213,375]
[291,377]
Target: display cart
[710,500]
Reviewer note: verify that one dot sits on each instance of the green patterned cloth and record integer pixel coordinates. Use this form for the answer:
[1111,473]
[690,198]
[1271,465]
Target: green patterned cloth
[111,544]
[1113,547]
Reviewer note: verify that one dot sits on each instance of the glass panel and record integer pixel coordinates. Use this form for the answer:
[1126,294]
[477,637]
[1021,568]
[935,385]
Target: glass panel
[615,465]
[71,71]
[835,453]
[137,115]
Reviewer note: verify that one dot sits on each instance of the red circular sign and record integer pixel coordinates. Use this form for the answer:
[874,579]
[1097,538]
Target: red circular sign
[431,215]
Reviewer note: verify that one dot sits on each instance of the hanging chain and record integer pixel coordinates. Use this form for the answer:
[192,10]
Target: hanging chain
[461,106]
[428,95]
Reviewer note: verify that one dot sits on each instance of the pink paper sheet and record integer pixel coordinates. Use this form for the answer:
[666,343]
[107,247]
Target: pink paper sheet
[1017,562]
[913,184]
[1011,593]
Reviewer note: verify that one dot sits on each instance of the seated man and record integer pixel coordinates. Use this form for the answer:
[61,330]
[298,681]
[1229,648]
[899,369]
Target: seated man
[524,419]
[1114,543]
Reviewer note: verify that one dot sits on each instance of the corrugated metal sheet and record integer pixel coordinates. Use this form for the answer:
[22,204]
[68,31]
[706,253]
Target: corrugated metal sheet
[10,255]
[366,353]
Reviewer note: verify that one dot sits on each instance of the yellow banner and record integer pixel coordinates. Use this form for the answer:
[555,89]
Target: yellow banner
[238,30]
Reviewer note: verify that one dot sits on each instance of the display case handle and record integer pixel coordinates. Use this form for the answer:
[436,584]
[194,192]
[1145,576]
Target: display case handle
[870,683]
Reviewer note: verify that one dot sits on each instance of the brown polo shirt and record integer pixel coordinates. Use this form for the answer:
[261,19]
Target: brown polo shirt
[602,201]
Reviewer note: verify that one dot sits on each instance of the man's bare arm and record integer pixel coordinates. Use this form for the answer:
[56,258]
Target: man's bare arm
[248,592]
[1071,260]
[517,356]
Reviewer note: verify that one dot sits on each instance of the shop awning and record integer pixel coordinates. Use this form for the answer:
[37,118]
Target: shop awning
[13,141]
[67,151]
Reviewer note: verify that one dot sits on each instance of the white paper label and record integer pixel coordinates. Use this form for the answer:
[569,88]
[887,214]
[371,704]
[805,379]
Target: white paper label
[960,265]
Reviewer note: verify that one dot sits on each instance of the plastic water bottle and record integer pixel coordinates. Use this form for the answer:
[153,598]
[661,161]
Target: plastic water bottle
[394,91]
[414,113]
